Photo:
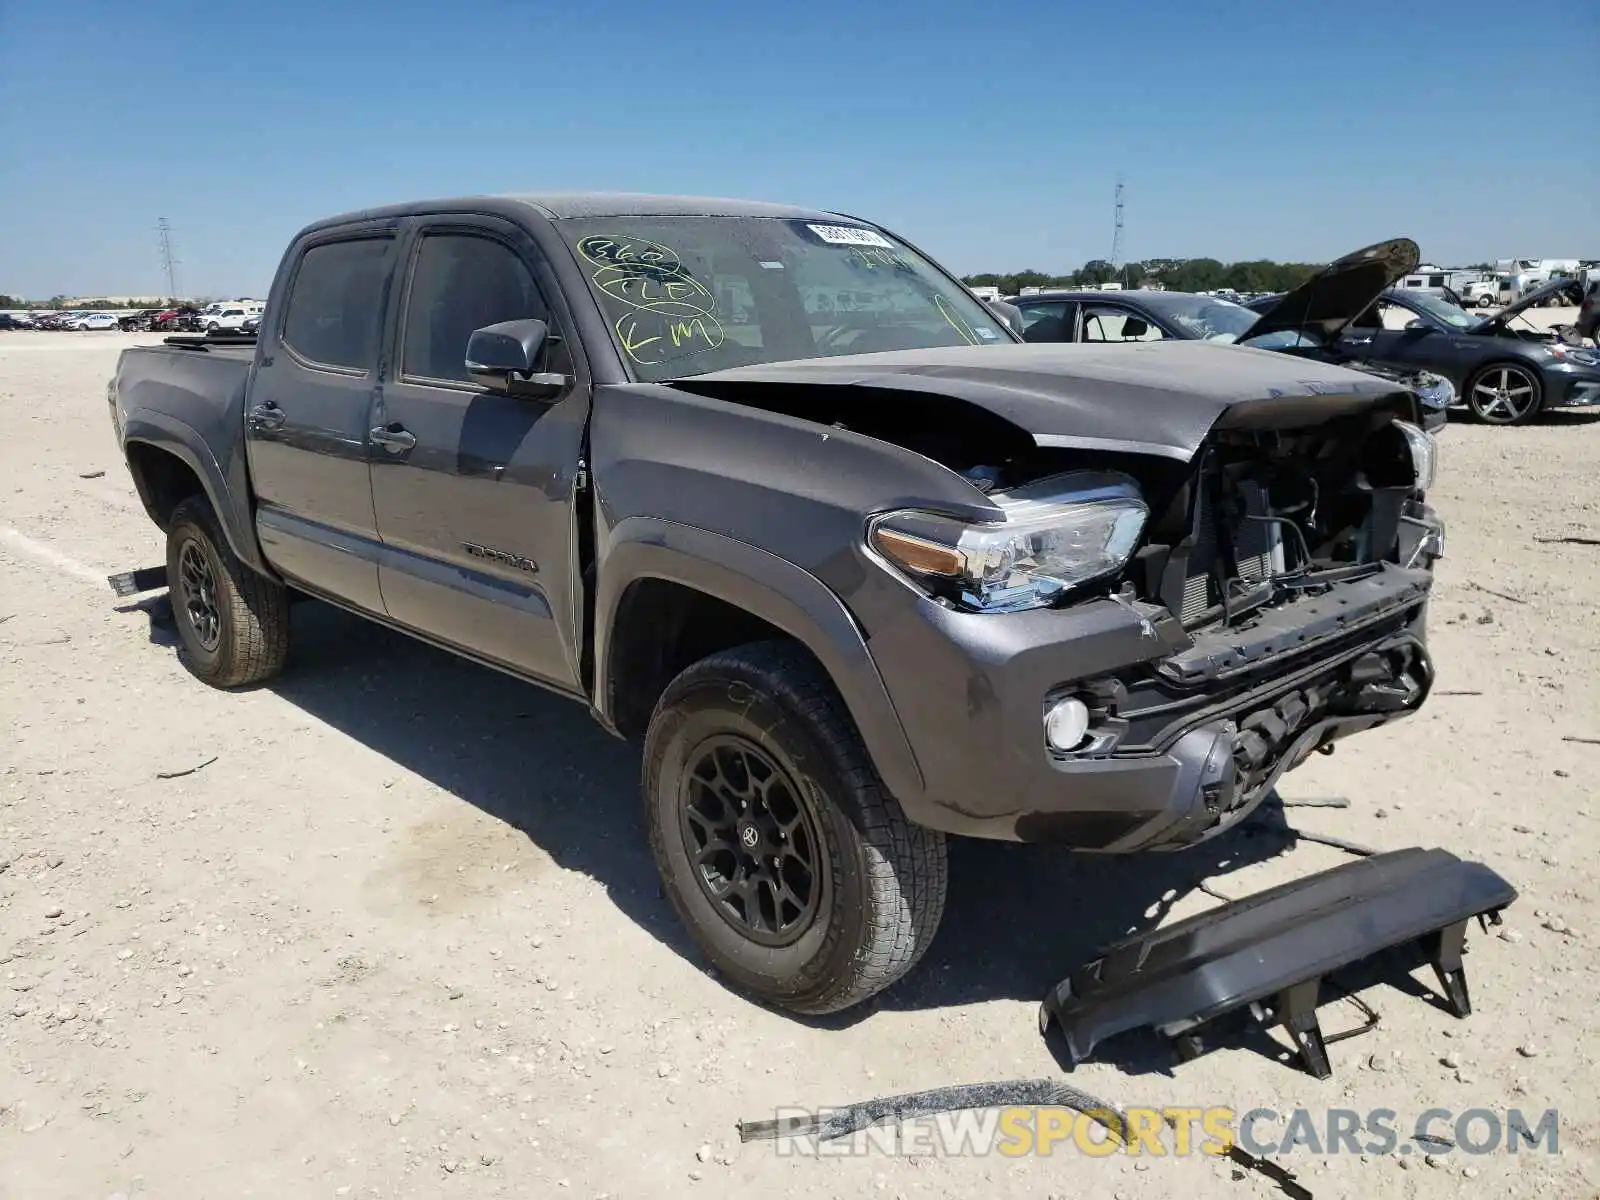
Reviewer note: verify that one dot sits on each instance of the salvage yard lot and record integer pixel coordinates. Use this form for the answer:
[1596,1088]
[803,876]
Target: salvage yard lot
[387,926]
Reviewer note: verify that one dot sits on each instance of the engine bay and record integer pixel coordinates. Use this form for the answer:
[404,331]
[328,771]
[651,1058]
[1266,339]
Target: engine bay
[1259,516]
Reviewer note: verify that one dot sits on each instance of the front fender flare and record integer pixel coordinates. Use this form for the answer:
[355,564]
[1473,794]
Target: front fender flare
[778,592]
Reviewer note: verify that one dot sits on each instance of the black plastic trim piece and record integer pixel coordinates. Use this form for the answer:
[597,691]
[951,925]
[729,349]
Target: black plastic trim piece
[1272,951]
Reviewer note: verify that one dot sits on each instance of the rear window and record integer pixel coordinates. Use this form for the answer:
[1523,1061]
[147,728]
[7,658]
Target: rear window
[335,305]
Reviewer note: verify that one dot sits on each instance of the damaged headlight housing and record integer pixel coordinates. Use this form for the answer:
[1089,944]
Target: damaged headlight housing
[1058,533]
[1424,453]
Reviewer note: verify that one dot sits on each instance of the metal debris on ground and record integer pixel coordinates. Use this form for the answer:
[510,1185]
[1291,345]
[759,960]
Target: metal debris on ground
[187,770]
[1570,539]
[1317,802]
[1586,741]
[1474,584]
[1034,1093]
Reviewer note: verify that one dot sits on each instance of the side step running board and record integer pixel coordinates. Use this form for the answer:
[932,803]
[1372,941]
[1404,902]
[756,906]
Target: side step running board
[131,583]
[1272,951]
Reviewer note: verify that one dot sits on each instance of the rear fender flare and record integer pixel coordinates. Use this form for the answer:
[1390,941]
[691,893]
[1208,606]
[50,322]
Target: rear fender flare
[230,503]
[768,587]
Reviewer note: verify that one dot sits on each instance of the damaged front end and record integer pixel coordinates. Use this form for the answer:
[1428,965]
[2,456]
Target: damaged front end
[1188,577]
[1285,571]
[1297,563]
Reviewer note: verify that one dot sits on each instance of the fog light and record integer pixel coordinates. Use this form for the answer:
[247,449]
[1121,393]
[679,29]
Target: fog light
[1065,724]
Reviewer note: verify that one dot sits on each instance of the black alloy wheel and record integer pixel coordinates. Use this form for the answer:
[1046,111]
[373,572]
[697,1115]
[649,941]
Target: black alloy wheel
[197,592]
[753,840]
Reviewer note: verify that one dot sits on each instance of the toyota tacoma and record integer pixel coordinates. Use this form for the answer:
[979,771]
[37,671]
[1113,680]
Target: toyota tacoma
[769,491]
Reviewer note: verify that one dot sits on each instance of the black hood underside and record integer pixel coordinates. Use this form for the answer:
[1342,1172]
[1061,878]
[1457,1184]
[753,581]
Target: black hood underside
[1161,398]
[1339,293]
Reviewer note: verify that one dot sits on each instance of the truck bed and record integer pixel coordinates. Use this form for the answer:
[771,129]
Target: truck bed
[189,401]
[202,386]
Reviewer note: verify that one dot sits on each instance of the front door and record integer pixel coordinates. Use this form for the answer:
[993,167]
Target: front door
[474,490]
[1391,334]
[309,412]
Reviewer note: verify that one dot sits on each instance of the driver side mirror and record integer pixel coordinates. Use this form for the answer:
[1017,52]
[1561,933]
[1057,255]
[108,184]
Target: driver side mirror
[505,358]
[1415,326]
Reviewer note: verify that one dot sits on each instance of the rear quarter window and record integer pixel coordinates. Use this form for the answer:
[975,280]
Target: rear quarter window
[335,304]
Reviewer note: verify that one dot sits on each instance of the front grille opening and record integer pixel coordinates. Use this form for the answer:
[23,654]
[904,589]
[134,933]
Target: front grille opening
[1267,515]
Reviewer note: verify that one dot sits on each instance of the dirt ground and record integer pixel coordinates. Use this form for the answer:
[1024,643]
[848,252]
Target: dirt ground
[387,926]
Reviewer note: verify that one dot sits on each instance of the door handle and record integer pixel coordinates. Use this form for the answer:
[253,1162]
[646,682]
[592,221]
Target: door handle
[394,438]
[266,417]
[1366,341]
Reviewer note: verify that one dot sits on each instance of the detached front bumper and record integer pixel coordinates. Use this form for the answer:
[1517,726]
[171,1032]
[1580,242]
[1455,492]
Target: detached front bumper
[1186,734]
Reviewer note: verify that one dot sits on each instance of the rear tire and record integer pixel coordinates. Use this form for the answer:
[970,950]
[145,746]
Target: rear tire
[792,868]
[233,624]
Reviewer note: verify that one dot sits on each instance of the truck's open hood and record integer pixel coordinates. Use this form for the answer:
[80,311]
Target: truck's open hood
[1158,398]
[1341,291]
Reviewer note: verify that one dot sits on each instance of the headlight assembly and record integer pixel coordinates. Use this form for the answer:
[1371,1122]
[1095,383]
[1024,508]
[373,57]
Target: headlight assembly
[1424,453]
[1057,534]
[1573,354]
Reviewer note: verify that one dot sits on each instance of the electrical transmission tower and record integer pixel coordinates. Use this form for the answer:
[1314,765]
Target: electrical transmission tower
[169,263]
[1116,233]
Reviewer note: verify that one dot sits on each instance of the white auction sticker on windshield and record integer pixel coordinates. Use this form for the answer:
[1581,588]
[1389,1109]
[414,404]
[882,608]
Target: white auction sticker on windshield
[850,235]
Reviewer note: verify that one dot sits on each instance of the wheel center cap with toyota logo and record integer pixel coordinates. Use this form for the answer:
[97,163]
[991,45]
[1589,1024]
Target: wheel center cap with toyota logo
[750,836]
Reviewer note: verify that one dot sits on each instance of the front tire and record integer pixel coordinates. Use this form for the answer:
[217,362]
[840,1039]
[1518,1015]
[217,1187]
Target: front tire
[794,871]
[1504,393]
[233,624]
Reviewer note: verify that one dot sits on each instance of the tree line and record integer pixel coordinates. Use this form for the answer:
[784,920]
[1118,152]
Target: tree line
[1174,274]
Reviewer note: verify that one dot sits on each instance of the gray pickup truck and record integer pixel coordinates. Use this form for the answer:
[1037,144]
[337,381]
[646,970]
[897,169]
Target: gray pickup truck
[769,490]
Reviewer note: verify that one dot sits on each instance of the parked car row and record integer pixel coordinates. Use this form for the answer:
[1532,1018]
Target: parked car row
[1504,369]
[58,320]
[222,317]
[1353,315]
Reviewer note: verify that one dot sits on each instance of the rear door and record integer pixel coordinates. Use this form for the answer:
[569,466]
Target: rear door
[310,412]
[1115,323]
[474,490]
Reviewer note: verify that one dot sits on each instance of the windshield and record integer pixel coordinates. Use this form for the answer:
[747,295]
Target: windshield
[688,295]
[1208,318]
[1442,310]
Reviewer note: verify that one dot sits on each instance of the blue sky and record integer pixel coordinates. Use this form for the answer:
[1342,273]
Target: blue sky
[991,135]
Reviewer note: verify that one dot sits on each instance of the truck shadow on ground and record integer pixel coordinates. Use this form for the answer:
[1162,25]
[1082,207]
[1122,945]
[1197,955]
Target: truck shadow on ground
[1018,918]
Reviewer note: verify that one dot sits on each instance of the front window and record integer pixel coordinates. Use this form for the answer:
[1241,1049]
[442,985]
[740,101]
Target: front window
[689,295]
[1444,312]
[1204,318]
[1045,321]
